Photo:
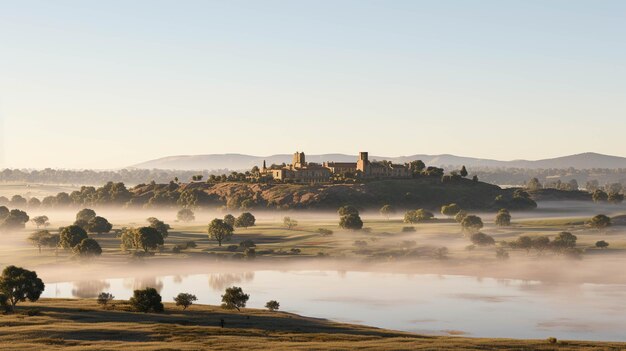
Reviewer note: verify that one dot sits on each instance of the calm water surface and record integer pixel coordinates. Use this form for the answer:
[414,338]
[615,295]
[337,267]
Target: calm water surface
[435,304]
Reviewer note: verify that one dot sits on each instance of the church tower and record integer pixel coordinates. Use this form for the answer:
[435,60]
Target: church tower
[298,160]
[363,163]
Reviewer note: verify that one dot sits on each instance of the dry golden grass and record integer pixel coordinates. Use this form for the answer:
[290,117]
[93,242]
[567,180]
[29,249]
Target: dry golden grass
[83,325]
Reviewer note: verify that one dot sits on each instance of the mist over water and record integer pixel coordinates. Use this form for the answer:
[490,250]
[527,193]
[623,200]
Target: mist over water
[524,297]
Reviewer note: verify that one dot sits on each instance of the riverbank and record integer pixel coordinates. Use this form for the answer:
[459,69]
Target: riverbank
[70,324]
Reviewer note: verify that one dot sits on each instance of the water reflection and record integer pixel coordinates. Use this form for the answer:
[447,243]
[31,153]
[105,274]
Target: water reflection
[221,281]
[143,282]
[425,303]
[88,289]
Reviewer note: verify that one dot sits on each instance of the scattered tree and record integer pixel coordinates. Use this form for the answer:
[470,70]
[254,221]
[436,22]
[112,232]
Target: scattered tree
[85,215]
[503,218]
[450,210]
[460,216]
[387,211]
[88,248]
[416,216]
[18,285]
[347,210]
[481,239]
[43,238]
[146,300]
[351,221]
[230,220]
[160,226]
[148,238]
[472,224]
[600,221]
[185,300]
[463,172]
[99,225]
[219,231]
[185,215]
[234,298]
[523,242]
[245,220]
[599,196]
[104,298]
[40,221]
[272,305]
[289,223]
[563,241]
[71,236]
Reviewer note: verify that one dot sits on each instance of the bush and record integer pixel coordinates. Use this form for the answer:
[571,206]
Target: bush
[325,232]
[503,218]
[482,239]
[232,248]
[247,244]
[104,298]
[552,340]
[501,254]
[600,221]
[408,229]
[472,224]
[417,216]
[146,300]
[602,244]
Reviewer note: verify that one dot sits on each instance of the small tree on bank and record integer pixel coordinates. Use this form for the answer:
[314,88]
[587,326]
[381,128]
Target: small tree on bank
[272,305]
[234,298]
[18,285]
[104,298]
[146,300]
[185,300]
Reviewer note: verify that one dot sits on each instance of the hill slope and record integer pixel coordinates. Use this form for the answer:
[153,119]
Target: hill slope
[244,162]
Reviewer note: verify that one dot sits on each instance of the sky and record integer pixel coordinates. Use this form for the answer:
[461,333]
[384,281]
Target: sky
[108,84]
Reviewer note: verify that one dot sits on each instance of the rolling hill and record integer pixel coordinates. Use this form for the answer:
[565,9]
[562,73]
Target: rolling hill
[244,162]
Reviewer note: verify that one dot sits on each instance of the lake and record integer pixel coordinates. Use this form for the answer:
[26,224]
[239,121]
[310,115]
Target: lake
[422,303]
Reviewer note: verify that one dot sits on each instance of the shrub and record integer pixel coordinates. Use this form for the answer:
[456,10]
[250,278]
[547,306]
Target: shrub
[324,232]
[602,244]
[104,298]
[482,239]
[600,221]
[408,229]
[472,224]
[232,248]
[552,340]
[503,218]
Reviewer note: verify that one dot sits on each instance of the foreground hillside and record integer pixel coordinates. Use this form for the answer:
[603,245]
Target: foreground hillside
[82,325]
[427,192]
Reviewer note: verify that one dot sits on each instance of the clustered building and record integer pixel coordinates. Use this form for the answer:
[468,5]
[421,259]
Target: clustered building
[299,171]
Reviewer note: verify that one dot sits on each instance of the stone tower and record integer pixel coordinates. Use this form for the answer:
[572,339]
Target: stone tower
[299,160]
[362,163]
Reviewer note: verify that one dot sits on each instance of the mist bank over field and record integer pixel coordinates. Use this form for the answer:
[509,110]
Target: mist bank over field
[587,160]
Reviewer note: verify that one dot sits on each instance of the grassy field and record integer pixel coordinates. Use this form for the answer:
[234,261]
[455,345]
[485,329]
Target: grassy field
[60,324]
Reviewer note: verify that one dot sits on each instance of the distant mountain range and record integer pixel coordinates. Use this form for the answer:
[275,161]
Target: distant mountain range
[245,162]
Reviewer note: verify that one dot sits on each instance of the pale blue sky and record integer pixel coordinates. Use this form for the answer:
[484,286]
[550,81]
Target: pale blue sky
[105,84]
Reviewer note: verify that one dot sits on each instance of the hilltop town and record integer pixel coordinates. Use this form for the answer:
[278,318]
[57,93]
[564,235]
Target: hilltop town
[300,171]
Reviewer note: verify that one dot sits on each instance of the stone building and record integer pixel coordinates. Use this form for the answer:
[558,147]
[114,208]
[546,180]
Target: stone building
[299,171]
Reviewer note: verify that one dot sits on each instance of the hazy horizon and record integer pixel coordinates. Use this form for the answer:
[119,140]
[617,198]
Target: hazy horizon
[105,85]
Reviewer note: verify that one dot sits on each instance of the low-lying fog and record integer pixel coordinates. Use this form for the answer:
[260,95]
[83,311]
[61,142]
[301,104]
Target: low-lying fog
[524,297]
